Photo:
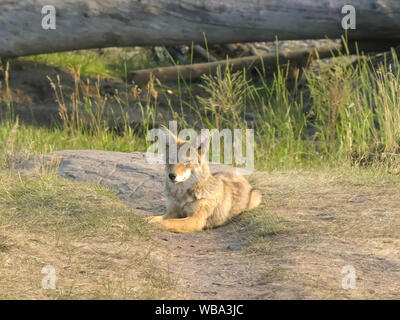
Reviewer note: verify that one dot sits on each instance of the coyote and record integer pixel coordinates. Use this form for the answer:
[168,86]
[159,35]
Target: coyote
[198,199]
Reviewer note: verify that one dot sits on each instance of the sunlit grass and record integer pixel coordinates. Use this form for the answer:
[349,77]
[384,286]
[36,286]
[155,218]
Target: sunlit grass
[105,62]
[344,114]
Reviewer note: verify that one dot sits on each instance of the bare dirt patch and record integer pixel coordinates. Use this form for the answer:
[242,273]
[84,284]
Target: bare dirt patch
[334,219]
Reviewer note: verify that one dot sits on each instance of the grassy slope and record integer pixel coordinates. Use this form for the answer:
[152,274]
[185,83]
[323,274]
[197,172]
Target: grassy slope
[98,247]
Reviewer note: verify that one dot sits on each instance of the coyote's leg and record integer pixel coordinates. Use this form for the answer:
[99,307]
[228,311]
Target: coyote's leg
[194,222]
[254,199]
[155,219]
[171,213]
[189,224]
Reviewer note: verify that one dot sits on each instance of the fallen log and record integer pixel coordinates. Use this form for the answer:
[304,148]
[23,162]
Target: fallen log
[85,24]
[193,71]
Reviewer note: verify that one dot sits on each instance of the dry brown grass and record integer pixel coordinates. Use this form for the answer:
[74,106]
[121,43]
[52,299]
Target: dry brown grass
[99,248]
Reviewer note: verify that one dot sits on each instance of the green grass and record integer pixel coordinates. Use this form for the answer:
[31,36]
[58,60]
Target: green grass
[115,63]
[54,204]
[343,114]
[356,114]
[19,142]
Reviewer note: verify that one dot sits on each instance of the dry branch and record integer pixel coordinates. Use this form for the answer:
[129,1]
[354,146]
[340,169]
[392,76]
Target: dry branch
[194,71]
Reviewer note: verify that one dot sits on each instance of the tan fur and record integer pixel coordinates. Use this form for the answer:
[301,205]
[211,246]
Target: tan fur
[203,200]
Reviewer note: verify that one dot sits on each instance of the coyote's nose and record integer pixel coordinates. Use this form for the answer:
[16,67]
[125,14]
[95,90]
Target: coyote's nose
[172,176]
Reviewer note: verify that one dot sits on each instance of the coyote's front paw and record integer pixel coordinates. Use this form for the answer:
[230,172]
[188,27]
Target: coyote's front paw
[155,219]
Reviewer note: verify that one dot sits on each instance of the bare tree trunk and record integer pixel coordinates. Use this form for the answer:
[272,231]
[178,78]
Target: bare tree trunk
[84,24]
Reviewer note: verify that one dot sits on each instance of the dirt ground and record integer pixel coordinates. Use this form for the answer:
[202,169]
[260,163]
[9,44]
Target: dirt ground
[325,224]
[310,225]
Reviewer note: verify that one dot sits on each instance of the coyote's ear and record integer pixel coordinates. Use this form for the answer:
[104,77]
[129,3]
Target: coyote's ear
[170,134]
[202,142]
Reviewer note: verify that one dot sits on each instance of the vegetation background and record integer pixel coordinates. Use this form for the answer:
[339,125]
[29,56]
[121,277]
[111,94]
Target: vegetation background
[334,125]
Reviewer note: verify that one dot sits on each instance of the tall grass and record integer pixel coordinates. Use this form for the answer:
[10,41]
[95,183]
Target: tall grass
[346,114]
[356,114]
[225,98]
[83,124]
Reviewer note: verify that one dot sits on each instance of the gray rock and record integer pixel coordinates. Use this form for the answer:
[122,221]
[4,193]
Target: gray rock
[136,181]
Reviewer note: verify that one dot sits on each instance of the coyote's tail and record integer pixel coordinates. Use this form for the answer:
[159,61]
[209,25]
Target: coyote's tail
[254,200]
